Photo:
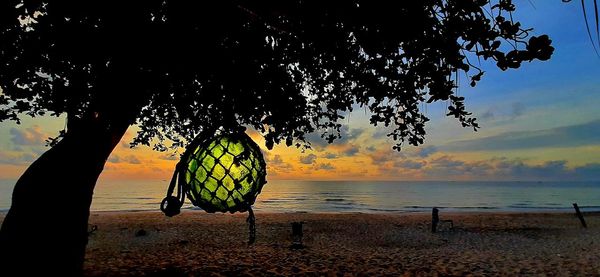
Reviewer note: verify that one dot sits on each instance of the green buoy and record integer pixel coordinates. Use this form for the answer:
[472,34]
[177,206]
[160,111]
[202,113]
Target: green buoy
[224,173]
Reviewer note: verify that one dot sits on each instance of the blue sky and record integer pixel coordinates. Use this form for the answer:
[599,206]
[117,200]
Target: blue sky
[540,122]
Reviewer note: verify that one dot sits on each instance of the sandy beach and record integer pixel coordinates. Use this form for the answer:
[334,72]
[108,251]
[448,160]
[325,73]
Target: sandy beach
[195,243]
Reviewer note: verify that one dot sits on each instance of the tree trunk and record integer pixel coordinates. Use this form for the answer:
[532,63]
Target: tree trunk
[45,230]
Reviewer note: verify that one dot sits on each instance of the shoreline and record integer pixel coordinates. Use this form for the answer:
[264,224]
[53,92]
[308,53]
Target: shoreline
[449,210]
[397,213]
[442,211]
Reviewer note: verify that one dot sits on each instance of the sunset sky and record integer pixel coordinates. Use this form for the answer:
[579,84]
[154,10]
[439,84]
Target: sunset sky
[540,122]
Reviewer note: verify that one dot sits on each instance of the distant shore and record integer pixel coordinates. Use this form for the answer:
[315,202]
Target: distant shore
[200,244]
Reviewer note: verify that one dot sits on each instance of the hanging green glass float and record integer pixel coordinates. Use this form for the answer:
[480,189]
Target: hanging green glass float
[223,173]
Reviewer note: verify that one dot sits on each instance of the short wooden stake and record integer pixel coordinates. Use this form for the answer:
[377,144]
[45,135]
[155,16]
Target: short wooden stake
[580,215]
[435,218]
[297,235]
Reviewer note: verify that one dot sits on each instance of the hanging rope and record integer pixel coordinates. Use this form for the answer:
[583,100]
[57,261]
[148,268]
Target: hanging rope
[251,226]
[171,205]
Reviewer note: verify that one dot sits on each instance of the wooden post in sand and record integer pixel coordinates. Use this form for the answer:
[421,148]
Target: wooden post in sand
[297,235]
[435,218]
[580,215]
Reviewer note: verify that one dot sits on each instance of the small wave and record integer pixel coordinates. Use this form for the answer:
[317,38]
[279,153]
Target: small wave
[447,207]
[124,198]
[537,207]
[475,208]
[422,207]
[274,201]
[116,203]
[294,198]
[297,199]
[338,204]
[383,210]
[334,199]
[345,208]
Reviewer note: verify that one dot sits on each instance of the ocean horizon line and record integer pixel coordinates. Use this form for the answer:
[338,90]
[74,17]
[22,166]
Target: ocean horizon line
[3,180]
[366,196]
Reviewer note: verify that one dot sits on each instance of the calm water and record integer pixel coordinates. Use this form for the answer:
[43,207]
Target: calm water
[342,196]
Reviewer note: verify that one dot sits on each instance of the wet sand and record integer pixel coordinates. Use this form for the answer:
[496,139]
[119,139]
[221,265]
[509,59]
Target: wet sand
[195,243]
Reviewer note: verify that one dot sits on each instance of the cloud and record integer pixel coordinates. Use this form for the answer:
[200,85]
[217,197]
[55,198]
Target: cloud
[549,169]
[410,164]
[276,163]
[325,166]
[352,173]
[489,114]
[130,159]
[347,135]
[426,151]
[169,157]
[328,155]
[114,159]
[517,109]
[589,171]
[354,133]
[371,148]
[309,159]
[277,160]
[17,159]
[28,136]
[384,155]
[509,169]
[351,151]
[447,162]
[380,132]
[446,166]
[568,136]
[38,150]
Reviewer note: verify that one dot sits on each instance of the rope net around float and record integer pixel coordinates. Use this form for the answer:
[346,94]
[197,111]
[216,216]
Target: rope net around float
[219,174]
[225,176]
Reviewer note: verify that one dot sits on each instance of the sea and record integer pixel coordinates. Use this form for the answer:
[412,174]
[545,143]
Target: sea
[364,196]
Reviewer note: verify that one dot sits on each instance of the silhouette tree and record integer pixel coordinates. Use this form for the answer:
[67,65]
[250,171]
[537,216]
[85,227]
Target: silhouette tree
[176,68]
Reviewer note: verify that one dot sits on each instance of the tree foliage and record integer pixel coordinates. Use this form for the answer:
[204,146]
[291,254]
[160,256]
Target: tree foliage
[285,68]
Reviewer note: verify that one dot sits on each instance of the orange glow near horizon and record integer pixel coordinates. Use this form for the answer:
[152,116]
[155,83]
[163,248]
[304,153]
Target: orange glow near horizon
[364,157]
